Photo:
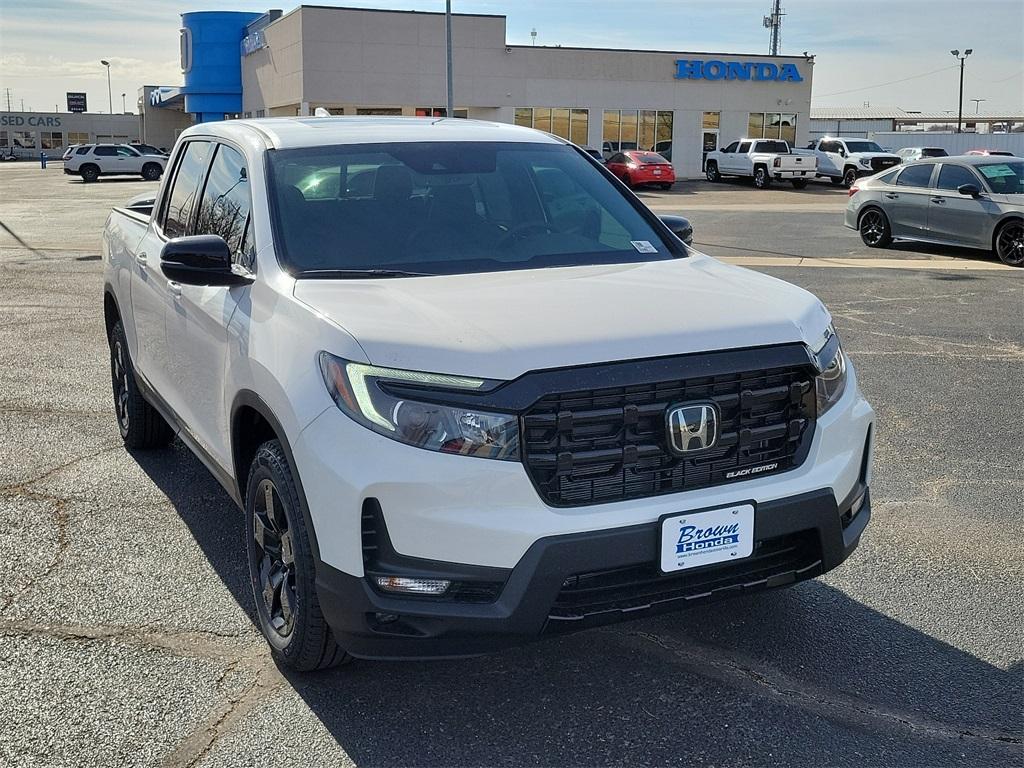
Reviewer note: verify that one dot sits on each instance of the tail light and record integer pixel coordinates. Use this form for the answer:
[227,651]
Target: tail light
[853,191]
[777,162]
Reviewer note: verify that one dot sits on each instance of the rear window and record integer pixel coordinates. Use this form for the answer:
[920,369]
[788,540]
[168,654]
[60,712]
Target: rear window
[648,158]
[934,152]
[776,147]
[452,208]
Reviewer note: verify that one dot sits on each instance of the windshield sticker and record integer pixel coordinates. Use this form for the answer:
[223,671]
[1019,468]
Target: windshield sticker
[995,171]
[643,246]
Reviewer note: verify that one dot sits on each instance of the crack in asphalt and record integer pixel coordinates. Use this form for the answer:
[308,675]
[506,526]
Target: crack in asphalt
[773,683]
[61,520]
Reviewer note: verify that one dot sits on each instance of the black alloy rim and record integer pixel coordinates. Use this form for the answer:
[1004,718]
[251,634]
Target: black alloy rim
[119,374]
[872,228]
[1010,244]
[275,558]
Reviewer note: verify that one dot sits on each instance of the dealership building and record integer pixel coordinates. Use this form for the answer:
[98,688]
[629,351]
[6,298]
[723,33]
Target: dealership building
[376,62]
[28,133]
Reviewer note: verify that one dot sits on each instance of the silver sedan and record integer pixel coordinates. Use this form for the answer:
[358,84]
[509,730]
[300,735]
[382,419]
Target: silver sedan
[968,201]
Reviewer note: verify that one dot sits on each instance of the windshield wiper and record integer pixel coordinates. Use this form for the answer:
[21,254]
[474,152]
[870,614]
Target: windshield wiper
[351,274]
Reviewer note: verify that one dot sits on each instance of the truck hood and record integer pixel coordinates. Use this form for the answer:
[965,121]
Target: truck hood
[500,325]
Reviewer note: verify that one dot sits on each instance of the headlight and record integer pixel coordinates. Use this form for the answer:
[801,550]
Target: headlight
[865,161]
[360,391]
[831,382]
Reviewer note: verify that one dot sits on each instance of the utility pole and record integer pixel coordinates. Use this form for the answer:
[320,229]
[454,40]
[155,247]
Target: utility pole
[450,111]
[774,23]
[960,118]
[977,104]
[8,99]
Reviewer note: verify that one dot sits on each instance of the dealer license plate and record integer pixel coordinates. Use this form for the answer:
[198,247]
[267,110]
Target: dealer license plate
[691,539]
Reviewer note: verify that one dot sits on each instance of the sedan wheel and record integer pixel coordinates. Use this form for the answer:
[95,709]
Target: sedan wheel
[1010,244]
[874,229]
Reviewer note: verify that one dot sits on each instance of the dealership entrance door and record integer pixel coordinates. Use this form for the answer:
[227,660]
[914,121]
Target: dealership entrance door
[709,136]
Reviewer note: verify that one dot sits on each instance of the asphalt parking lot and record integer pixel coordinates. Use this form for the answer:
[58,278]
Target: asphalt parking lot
[126,616]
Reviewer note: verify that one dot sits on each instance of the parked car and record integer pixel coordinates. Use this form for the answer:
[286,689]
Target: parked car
[493,401]
[987,152]
[763,160]
[638,168]
[909,154]
[843,161]
[595,153]
[90,161]
[974,202]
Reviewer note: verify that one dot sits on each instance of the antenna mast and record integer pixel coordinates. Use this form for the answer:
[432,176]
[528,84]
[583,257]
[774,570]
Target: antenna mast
[774,23]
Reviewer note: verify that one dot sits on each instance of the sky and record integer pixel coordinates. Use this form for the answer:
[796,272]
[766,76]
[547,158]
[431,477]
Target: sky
[890,53]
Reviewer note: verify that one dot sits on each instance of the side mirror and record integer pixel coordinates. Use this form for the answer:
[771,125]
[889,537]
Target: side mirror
[969,189]
[200,260]
[680,227]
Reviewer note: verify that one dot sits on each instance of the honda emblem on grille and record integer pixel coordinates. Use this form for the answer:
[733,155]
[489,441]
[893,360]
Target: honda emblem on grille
[693,427]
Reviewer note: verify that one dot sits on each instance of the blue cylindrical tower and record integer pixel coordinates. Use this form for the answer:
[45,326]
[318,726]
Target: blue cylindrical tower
[212,63]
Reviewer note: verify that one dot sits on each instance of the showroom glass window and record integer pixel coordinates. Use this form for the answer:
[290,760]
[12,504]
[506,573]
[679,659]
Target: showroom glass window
[4,139]
[649,130]
[25,139]
[78,137]
[224,206]
[51,139]
[772,125]
[565,122]
[181,200]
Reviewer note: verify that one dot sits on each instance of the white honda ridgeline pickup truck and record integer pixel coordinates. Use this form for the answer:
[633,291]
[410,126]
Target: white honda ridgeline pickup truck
[469,390]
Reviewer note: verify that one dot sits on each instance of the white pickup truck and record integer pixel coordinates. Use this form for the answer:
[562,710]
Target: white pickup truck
[763,160]
[469,390]
[846,160]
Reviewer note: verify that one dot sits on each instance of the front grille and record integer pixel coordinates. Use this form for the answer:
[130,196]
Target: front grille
[881,163]
[603,595]
[611,444]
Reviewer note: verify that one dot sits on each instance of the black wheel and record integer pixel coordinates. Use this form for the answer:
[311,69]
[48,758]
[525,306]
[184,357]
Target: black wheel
[152,171]
[666,186]
[1010,243]
[762,179]
[281,567]
[711,171]
[799,183]
[89,173]
[141,425]
[874,228]
[628,181]
[849,177]
[836,180]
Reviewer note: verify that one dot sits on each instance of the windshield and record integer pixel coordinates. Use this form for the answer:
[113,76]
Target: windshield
[1004,178]
[451,208]
[863,146]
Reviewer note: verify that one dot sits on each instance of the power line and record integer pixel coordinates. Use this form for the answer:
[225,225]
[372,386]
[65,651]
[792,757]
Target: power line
[891,82]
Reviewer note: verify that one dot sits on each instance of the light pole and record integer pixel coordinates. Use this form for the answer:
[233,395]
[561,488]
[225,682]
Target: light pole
[123,107]
[977,104]
[960,118]
[110,97]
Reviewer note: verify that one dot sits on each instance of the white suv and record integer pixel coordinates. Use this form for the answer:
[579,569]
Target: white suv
[90,161]
[469,390]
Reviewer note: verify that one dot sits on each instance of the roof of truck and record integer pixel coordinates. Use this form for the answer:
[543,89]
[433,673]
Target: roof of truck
[292,132]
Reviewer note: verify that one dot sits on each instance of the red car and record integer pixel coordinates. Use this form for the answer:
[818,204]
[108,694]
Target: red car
[1000,152]
[636,167]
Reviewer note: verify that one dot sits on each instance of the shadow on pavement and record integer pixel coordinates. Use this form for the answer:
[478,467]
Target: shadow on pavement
[803,676]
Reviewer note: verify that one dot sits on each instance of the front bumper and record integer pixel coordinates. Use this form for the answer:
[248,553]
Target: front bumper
[576,581]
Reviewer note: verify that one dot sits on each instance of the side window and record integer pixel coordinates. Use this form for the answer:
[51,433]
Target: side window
[915,176]
[618,157]
[224,208]
[82,150]
[181,199]
[953,176]
[888,178]
[127,152]
[105,151]
[732,147]
[744,147]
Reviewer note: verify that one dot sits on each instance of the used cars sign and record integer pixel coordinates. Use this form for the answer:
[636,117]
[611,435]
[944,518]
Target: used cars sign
[736,70]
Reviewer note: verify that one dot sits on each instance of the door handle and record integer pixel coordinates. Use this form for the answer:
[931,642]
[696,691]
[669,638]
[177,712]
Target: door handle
[174,288]
[891,195]
[140,259]
[938,200]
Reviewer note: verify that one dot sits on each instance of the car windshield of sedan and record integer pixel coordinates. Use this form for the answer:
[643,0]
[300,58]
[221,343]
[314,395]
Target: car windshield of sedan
[430,208]
[1004,178]
[863,146]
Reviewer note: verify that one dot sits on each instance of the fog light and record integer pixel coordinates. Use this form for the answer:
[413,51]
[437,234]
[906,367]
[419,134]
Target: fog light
[855,507]
[413,586]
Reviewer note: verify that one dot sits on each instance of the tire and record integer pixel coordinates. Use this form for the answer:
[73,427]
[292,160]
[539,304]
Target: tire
[665,186]
[282,569]
[836,180]
[628,181]
[89,173]
[874,228]
[152,171]
[799,183]
[849,177]
[140,424]
[762,179]
[1009,243]
[711,171]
